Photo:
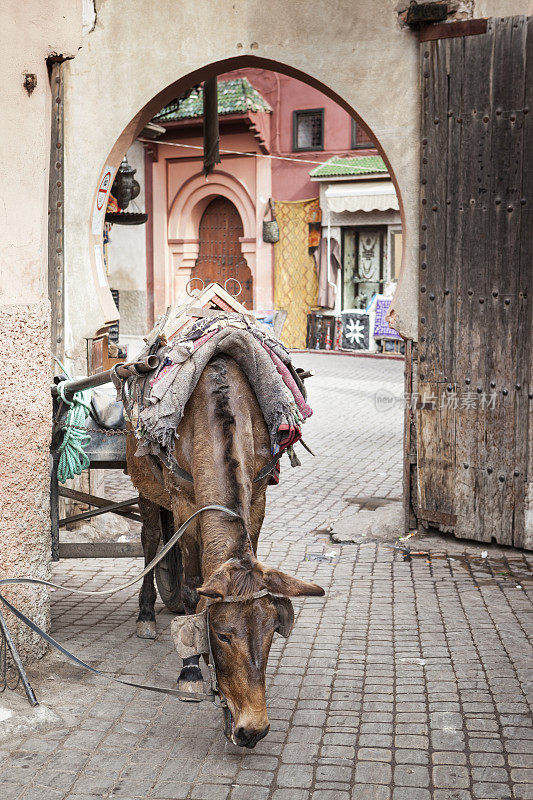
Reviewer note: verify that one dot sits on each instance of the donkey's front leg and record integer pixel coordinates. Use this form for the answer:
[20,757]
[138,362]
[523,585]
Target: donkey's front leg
[150,535]
[190,678]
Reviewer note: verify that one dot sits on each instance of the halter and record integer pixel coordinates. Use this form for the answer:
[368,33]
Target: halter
[214,688]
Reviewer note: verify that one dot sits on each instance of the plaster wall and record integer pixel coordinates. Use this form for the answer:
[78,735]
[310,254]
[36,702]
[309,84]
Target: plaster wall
[357,52]
[31,32]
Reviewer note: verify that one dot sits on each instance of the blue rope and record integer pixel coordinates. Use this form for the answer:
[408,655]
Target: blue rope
[72,457]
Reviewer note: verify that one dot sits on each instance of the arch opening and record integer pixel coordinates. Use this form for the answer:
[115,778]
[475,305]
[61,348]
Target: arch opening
[179,195]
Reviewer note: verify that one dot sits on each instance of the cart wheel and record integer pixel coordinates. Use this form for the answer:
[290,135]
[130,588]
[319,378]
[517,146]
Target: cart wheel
[169,589]
[168,571]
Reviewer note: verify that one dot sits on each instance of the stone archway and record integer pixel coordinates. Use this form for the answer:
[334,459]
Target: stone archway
[384,101]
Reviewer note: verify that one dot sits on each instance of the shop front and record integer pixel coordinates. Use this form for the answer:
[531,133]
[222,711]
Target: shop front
[359,258]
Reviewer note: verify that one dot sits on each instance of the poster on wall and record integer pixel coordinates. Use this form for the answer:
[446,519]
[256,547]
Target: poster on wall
[355,330]
[381,326]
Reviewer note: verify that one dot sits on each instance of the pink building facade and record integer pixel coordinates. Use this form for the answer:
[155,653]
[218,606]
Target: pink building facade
[284,118]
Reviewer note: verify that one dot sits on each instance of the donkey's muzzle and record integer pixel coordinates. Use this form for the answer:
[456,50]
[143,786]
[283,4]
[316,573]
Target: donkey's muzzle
[246,738]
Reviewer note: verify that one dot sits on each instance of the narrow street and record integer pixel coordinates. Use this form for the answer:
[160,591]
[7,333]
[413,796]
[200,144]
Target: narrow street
[407,681]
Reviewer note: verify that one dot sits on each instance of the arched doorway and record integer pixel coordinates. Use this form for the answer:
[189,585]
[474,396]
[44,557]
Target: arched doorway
[219,254]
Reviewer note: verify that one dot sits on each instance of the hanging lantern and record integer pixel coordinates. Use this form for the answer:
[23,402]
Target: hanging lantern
[125,189]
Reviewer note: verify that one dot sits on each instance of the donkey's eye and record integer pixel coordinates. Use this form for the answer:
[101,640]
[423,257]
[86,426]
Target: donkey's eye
[223,637]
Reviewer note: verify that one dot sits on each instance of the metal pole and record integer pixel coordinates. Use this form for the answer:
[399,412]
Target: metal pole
[123,370]
[30,694]
[54,506]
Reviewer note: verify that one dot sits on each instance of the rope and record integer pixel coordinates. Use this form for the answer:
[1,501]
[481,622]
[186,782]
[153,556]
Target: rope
[72,457]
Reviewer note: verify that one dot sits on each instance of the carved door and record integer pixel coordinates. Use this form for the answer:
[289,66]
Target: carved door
[219,256]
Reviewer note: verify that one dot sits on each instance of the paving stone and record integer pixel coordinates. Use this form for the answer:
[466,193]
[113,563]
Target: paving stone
[451,777]
[249,793]
[523,791]
[372,772]
[411,775]
[371,791]
[491,791]
[256,777]
[375,740]
[340,774]
[299,753]
[403,793]
[374,754]
[171,790]
[522,775]
[411,757]
[489,774]
[295,776]
[338,752]
[491,760]
[290,794]
[210,791]
[452,794]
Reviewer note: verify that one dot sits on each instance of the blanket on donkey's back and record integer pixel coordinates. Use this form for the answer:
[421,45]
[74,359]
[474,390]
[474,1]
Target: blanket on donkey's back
[161,398]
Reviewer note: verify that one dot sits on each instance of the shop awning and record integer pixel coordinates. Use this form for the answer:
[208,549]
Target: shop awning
[362,196]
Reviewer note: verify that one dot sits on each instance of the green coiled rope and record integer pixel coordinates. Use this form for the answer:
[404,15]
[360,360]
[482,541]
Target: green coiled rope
[72,457]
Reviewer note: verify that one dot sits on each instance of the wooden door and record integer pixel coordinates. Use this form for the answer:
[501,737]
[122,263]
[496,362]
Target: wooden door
[219,256]
[474,392]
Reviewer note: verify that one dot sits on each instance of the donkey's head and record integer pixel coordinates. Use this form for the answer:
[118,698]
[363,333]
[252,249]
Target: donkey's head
[241,635]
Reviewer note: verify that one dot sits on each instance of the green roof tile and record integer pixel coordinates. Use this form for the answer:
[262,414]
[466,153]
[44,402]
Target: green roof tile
[351,165]
[236,96]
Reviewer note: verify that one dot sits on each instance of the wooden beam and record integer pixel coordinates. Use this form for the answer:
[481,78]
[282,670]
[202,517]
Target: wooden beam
[452,30]
[96,513]
[100,550]
[56,278]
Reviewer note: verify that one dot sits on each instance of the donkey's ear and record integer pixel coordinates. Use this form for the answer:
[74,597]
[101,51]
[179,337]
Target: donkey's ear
[278,582]
[216,586]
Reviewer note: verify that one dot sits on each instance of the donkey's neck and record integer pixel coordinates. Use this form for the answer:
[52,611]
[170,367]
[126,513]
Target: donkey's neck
[223,541]
[223,462]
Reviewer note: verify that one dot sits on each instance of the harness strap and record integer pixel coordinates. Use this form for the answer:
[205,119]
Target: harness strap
[162,553]
[184,475]
[269,467]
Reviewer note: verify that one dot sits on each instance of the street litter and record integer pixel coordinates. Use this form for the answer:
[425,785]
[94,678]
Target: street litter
[331,556]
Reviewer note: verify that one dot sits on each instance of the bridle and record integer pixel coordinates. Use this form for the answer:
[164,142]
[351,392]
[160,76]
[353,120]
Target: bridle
[215,691]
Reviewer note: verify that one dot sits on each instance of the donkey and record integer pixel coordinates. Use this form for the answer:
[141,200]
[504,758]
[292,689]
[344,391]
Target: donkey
[223,444]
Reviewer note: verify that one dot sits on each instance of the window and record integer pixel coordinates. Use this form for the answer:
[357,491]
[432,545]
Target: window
[360,137]
[308,129]
[395,252]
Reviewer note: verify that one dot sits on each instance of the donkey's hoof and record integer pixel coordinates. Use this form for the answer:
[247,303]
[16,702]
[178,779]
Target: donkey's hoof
[191,682]
[146,629]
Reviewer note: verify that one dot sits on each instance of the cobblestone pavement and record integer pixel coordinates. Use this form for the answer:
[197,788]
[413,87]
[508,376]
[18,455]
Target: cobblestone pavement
[407,681]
